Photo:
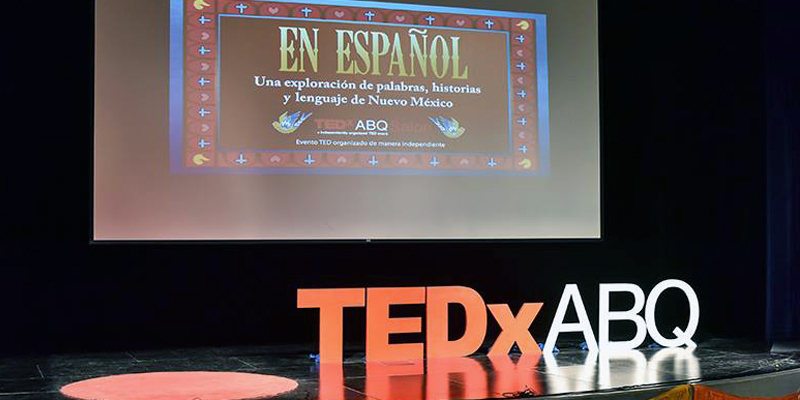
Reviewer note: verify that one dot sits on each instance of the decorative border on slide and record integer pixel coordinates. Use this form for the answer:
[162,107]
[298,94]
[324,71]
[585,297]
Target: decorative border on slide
[194,87]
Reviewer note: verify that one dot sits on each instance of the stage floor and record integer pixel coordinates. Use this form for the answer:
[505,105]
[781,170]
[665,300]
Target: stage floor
[569,372]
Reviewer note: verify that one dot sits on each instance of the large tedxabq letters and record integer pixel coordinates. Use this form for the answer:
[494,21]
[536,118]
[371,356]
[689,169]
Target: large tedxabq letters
[346,88]
[515,328]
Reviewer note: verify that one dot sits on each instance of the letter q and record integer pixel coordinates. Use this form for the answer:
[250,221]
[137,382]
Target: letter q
[682,336]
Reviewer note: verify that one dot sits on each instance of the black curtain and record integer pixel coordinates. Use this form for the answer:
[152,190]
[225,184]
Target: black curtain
[684,196]
[782,67]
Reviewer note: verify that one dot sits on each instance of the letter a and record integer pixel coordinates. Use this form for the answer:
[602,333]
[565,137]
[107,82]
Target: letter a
[571,294]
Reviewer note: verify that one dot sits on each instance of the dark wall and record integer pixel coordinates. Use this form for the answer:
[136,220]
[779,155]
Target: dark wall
[683,197]
[782,75]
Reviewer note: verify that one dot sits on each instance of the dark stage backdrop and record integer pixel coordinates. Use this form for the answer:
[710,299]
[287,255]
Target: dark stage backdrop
[783,170]
[683,197]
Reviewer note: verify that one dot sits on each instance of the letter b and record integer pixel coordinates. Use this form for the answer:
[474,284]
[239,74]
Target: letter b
[631,315]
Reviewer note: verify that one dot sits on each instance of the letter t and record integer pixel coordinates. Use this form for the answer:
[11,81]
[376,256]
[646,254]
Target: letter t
[331,304]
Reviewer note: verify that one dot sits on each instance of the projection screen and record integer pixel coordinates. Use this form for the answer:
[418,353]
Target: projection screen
[339,120]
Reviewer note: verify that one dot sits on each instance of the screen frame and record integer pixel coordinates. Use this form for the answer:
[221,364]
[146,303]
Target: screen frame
[219,242]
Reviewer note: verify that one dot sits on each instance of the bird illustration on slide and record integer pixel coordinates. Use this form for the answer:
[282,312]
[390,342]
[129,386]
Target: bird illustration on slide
[450,127]
[288,123]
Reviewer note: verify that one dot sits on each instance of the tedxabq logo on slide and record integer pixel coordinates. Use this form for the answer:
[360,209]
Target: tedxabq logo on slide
[515,328]
[380,125]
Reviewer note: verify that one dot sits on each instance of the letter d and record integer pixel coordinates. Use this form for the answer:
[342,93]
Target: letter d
[438,299]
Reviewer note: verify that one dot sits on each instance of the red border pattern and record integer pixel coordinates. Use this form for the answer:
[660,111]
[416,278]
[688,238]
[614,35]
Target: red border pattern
[200,52]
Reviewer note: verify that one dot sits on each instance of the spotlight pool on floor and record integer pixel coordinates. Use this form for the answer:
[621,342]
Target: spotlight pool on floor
[180,386]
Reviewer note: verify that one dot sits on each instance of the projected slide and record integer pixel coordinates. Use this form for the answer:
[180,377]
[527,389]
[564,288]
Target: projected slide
[346,120]
[351,87]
